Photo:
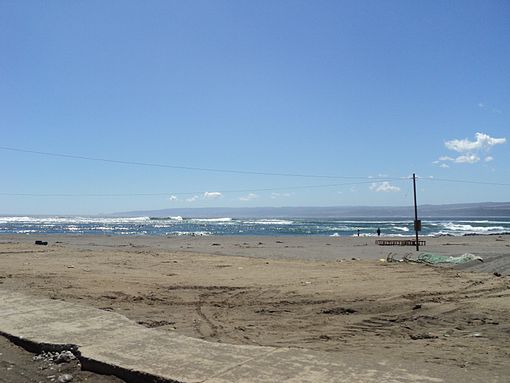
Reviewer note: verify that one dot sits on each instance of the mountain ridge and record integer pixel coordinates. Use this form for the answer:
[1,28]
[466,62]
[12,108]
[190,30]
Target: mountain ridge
[482,209]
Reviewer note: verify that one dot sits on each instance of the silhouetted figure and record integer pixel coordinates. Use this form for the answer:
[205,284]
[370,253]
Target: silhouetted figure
[358,232]
[378,231]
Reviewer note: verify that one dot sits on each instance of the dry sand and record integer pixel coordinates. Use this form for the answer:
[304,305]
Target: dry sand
[286,291]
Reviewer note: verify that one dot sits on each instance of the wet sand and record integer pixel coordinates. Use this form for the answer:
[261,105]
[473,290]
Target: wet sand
[286,291]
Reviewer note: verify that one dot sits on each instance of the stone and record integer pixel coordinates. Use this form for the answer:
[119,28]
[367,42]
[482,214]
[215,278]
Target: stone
[64,357]
[64,378]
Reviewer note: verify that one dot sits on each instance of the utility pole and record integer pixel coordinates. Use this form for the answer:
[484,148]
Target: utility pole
[417,223]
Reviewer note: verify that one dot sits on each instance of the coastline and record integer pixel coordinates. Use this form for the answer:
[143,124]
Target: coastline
[494,249]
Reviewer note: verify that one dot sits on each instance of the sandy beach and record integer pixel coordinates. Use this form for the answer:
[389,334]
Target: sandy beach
[320,293]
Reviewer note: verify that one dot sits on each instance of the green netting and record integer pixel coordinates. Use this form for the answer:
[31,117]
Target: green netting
[434,258]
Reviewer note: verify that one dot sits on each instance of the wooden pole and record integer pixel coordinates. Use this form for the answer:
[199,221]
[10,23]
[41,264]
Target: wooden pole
[415,213]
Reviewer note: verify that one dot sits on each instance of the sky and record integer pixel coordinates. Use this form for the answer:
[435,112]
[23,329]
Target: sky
[246,103]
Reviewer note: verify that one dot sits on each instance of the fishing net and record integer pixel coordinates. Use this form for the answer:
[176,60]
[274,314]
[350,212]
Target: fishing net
[435,258]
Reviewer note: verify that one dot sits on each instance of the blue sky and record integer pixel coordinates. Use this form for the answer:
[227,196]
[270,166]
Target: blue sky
[344,88]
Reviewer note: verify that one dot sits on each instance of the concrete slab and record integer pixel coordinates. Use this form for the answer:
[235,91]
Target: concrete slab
[174,356]
[305,366]
[114,344]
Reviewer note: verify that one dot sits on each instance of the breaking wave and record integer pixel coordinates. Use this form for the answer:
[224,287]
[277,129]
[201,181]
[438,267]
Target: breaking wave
[269,222]
[177,225]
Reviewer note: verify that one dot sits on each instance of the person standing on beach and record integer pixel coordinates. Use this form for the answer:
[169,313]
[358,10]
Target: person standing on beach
[378,231]
[358,232]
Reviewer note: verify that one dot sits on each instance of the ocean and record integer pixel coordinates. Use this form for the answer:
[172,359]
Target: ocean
[176,226]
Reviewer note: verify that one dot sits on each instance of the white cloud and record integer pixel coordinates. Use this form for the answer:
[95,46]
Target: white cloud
[212,195]
[248,197]
[444,166]
[384,187]
[463,159]
[467,159]
[483,142]
[470,151]
[192,199]
[172,198]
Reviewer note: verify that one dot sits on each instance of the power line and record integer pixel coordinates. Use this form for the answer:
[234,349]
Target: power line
[232,171]
[179,193]
[464,181]
[181,167]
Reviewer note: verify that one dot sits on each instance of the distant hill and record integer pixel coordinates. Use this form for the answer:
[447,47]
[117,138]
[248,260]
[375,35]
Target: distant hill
[484,209]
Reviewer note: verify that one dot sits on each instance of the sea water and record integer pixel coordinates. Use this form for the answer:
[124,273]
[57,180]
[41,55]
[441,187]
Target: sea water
[175,226]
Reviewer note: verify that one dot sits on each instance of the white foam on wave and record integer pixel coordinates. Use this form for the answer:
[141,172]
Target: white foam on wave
[471,229]
[401,228]
[107,228]
[269,222]
[469,221]
[371,222]
[176,218]
[337,228]
[213,220]
[488,222]
[14,219]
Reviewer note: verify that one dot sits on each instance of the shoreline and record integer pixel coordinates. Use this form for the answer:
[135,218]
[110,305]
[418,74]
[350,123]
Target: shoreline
[493,249]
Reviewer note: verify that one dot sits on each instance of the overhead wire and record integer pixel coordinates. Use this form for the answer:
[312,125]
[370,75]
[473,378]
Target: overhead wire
[366,179]
[464,181]
[179,193]
[182,167]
